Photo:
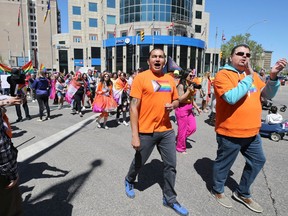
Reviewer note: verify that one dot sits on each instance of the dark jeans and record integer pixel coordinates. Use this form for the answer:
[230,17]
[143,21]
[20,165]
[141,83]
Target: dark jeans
[228,149]
[165,142]
[10,199]
[25,107]
[77,102]
[43,101]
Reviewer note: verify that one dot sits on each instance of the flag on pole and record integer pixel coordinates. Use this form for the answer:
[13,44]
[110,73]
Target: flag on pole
[47,11]
[170,26]
[204,31]
[223,37]
[19,12]
[42,68]
[151,25]
[114,31]
[5,68]
[28,67]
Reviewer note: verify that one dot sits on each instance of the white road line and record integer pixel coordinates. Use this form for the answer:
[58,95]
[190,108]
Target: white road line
[39,146]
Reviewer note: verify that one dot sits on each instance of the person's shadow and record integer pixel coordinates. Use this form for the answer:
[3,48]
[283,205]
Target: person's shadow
[204,167]
[150,174]
[39,170]
[56,200]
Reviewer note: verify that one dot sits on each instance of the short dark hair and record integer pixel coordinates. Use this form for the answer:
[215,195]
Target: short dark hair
[156,49]
[237,46]
[273,109]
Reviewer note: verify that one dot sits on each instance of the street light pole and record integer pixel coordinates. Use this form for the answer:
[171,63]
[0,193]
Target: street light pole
[247,31]
[9,48]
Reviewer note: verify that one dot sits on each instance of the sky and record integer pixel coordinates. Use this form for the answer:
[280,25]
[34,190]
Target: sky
[265,20]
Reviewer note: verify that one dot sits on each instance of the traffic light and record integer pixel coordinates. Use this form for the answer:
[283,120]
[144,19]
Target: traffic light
[221,55]
[142,35]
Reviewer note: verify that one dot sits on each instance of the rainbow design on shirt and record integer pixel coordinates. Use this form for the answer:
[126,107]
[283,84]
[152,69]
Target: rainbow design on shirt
[253,89]
[161,86]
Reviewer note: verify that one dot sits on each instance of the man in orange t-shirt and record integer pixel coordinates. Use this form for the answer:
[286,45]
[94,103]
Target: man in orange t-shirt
[238,119]
[153,96]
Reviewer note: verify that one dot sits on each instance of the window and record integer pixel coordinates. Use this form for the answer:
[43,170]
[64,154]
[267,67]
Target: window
[198,15]
[92,7]
[199,2]
[110,35]
[76,25]
[111,19]
[92,37]
[76,10]
[93,23]
[111,4]
[61,42]
[77,39]
[198,28]
[124,34]
[156,32]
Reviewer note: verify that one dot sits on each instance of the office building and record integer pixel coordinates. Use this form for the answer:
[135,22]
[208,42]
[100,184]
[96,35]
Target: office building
[25,36]
[118,35]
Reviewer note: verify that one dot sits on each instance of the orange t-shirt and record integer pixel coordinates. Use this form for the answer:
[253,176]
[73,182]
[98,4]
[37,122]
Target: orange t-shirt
[242,119]
[154,92]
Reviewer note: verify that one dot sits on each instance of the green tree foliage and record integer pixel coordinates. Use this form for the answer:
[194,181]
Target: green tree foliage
[256,49]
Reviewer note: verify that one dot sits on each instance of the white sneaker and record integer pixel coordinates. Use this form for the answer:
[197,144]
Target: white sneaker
[81,114]
[118,122]
[98,124]
[125,123]
[106,127]
[83,108]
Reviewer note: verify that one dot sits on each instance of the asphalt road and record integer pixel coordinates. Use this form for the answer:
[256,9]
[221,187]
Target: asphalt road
[70,167]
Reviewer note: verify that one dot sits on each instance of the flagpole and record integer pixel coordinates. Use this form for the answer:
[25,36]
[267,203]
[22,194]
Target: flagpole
[51,41]
[214,55]
[22,26]
[153,32]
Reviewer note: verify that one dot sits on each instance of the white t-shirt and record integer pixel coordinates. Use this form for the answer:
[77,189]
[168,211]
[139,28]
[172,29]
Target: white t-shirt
[274,118]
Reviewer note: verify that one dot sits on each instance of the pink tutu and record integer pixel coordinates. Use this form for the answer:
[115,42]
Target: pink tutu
[103,103]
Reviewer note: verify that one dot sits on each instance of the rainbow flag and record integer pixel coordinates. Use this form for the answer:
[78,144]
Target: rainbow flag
[42,68]
[28,67]
[5,68]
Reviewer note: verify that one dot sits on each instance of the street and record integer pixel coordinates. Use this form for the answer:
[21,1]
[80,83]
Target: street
[68,166]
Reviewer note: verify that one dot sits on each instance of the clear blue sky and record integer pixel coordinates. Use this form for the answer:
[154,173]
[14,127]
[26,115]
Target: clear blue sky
[236,17]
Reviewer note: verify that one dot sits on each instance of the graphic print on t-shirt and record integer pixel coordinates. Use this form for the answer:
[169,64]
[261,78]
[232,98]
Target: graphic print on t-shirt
[161,86]
[253,89]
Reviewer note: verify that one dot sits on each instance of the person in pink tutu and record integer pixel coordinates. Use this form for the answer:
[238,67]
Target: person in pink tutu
[104,102]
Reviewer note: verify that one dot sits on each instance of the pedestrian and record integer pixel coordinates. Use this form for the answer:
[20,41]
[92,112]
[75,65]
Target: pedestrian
[92,85]
[10,197]
[184,113]
[273,117]
[238,119]
[61,88]
[120,91]
[18,88]
[153,96]
[80,85]
[206,87]
[42,90]
[104,101]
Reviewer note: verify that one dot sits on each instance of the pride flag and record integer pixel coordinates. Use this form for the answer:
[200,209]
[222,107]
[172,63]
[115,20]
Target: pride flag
[42,68]
[28,67]
[47,11]
[5,68]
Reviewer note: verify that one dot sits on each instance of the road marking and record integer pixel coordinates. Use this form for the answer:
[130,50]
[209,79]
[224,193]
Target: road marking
[43,144]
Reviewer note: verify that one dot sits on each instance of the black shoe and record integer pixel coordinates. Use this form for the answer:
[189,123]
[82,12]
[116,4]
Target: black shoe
[29,117]
[19,120]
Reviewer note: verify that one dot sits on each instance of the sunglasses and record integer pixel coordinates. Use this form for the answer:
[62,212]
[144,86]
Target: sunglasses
[106,76]
[242,54]
[191,75]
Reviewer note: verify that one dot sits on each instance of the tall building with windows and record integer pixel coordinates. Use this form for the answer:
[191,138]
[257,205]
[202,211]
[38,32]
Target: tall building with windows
[118,34]
[25,36]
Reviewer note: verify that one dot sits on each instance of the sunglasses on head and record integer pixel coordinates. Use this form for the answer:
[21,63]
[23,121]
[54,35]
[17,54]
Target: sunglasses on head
[242,54]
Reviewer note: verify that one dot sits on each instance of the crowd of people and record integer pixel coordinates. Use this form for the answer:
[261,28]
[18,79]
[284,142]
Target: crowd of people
[150,96]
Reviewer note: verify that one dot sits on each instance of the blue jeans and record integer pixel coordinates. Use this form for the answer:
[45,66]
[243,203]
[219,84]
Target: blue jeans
[228,149]
[165,142]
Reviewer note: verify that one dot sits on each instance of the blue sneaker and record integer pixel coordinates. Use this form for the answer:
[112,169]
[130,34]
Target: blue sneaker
[129,189]
[176,207]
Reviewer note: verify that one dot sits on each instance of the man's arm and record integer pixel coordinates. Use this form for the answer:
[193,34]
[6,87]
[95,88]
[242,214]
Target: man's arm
[134,115]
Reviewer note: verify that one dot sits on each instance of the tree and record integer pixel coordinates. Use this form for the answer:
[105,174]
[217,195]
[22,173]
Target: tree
[256,49]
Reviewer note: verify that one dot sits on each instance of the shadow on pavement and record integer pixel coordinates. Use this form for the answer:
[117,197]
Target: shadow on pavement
[204,167]
[56,199]
[150,174]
